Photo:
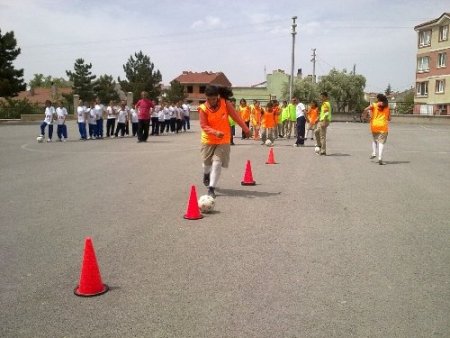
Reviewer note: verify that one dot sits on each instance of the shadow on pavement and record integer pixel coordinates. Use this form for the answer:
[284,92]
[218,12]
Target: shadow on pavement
[245,193]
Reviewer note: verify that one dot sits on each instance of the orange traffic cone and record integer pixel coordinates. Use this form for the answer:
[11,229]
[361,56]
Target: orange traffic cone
[248,176]
[90,280]
[192,210]
[271,158]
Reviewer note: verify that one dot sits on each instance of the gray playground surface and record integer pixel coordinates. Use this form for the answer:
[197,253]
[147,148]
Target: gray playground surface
[334,246]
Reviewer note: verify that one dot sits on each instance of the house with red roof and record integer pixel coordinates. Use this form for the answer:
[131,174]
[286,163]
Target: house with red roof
[195,83]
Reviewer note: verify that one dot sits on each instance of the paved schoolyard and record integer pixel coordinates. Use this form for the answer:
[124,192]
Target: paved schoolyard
[333,246]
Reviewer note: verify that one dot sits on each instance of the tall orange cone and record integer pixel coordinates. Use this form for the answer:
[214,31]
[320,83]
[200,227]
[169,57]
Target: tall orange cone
[271,158]
[192,210]
[248,176]
[90,280]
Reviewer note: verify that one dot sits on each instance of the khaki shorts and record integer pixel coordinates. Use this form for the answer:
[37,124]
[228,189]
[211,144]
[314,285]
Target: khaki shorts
[214,152]
[380,137]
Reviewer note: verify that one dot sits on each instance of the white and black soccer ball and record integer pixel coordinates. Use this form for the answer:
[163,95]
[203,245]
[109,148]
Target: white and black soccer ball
[206,203]
[269,143]
[40,139]
[317,150]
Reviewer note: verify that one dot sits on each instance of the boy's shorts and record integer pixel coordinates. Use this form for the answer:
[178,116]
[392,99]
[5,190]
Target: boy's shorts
[380,137]
[214,152]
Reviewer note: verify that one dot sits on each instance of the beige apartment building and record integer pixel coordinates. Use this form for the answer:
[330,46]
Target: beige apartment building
[433,70]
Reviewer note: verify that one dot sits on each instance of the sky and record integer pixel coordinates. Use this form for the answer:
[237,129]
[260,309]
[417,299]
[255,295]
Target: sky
[244,39]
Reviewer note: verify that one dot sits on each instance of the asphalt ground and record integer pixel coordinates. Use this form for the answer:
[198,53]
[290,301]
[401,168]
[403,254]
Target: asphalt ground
[322,246]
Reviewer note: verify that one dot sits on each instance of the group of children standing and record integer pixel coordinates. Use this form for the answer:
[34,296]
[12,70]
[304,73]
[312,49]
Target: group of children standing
[275,120]
[165,118]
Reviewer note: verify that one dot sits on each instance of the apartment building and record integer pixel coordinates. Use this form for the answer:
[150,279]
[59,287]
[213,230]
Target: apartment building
[432,95]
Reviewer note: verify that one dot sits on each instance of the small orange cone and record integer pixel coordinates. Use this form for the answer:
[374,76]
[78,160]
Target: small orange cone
[248,176]
[271,158]
[90,280]
[192,210]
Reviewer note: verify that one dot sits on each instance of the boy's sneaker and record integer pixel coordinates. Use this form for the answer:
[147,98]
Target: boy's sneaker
[211,192]
[380,162]
[49,140]
[373,156]
[206,179]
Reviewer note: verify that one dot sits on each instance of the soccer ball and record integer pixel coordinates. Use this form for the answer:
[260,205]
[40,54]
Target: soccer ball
[40,139]
[206,203]
[268,142]
[317,150]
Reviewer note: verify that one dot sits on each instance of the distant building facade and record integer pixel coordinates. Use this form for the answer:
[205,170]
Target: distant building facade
[194,84]
[432,95]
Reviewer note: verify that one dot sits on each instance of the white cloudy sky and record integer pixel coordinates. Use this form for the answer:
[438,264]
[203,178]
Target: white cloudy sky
[242,38]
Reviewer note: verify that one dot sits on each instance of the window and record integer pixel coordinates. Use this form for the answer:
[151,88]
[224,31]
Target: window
[422,88]
[425,38]
[441,109]
[443,33]
[190,89]
[423,64]
[442,60]
[202,89]
[440,86]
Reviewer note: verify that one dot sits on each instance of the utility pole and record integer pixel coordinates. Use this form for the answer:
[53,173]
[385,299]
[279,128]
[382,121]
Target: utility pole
[291,82]
[313,60]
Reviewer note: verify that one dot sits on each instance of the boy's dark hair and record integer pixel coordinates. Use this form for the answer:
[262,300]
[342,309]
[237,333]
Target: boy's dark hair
[324,94]
[223,92]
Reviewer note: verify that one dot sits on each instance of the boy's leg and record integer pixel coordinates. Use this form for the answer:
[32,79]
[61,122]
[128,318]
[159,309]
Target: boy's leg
[43,125]
[50,131]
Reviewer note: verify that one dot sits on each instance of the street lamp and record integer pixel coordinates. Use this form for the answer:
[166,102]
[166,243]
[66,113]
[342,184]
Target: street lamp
[291,82]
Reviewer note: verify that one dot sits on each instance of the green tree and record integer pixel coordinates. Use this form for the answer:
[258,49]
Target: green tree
[11,79]
[105,88]
[388,90]
[40,80]
[305,90]
[141,76]
[82,79]
[345,90]
[406,106]
[175,93]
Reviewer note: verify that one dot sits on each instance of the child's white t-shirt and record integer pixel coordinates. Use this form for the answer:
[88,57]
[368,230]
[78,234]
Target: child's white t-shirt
[81,110]
[61,113]
[92,116]
[49,114]
[122,116]
[134,116]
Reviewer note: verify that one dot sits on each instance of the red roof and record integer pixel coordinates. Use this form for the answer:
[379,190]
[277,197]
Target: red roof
[189,77]
[39,95]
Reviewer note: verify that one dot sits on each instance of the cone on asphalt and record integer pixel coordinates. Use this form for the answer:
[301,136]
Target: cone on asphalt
[248,176]
[90,280]
[192,210]
[271,158]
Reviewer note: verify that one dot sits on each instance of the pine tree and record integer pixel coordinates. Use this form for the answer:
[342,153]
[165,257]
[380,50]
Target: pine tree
[11,79]
[105,89]
[141,76]
[82,80]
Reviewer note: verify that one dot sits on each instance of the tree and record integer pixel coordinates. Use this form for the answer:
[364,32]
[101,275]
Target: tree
[82,80]
[406,106]
[105,88]
[39,80]
[175,93]
[11,79]
[141,76]
[388,90]
[345,90]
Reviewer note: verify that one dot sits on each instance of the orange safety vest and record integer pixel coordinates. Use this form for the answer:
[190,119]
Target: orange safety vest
[245,113]
[277,114]
[255,116]
[217,120]
[268,119]
[379,121]
[313,115]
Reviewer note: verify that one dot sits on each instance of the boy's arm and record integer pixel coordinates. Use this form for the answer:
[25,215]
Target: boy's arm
[237,118]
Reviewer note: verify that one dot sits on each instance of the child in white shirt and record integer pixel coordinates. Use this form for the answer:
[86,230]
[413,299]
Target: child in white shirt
[61,115]
[48,120]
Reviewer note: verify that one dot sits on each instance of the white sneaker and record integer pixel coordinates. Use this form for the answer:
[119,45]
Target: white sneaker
[373,156]
[49,140]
